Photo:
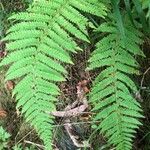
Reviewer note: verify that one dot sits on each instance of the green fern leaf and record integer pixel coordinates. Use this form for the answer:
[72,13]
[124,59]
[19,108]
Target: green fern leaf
[39,42]
[111,95]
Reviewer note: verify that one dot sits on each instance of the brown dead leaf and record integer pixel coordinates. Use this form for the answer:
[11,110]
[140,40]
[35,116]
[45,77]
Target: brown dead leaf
[83,86]
[1,54]
[3,114]
[9,85]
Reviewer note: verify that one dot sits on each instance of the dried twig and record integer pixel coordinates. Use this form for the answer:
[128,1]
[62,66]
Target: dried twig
[144,77]
[137,94]
[70,113]
[38,145]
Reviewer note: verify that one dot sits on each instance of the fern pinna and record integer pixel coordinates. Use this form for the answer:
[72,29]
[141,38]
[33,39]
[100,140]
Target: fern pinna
[38,43]
[111,95]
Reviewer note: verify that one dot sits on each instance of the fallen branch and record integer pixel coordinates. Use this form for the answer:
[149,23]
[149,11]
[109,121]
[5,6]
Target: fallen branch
[70,113]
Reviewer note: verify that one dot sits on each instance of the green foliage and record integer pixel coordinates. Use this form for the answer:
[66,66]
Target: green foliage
[4,136]
[1,20]
[6,9]
[19,147]
[146,6]
[28,1]
[111,95]
[38,43]
[4,139]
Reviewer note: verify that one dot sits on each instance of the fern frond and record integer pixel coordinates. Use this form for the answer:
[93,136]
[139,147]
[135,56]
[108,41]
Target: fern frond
[116,109]
[38,43]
